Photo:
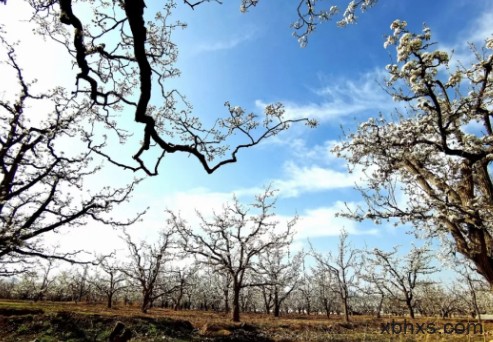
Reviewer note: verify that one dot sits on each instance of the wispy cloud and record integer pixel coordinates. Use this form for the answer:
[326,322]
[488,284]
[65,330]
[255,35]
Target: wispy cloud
[320,153]
[475,34]
[342,98]
[313,178]
[481,29]
[226,44]
[315,169]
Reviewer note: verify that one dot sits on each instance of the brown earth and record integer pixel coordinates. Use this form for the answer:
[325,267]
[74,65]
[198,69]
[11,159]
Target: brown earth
[69,322]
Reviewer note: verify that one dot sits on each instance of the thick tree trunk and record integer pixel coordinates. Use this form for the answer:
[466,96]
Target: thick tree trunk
[110,300]
[236,303]
[226,301]
[379,307]
[444,313]
[277,310]
[485,268]
[410,307]
[345,309]
[146,302]
[277,304]
[481,245]
[308,307]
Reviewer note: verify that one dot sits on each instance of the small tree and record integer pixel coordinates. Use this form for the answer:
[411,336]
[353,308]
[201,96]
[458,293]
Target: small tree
[280,273]
[404,272]
[207,291]
[435,299]
[343,268]
[146,264]
[80,286]
[305,292]
[233,240]
[324,287]
[177,281]
[112,282]
[374,280]
[469,287]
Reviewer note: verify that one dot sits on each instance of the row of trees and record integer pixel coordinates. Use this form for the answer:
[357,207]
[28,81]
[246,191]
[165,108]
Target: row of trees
[240,259]
[431,154]
[369,286]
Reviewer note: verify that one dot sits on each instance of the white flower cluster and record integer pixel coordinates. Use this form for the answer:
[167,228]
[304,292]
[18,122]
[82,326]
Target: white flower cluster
[349,16]
[237,111]
[245,4]
[429,58]
[420,66]
[397,26]
[326,15]
[454,79]
[489,43]
[408,43]
[367,4]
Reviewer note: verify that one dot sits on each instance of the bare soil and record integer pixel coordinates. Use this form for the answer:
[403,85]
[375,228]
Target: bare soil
[70,322]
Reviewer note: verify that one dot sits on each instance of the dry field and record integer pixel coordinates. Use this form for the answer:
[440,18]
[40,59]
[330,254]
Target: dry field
[69,322]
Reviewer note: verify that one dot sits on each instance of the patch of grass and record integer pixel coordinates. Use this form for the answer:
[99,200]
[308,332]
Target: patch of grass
[46,321]
[23,329]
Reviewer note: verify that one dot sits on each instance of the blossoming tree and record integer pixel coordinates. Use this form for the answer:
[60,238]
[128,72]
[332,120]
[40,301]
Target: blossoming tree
[437,153]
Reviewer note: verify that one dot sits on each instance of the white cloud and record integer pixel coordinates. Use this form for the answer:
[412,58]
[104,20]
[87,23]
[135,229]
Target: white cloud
[226,44]
[319,153]
[49,63]
[302,179]
[481,29]
[316,168]
[101,239]
[476,33]
[343,98]
[323,222]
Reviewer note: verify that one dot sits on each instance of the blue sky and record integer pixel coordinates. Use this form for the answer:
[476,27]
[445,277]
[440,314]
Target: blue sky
[252,59]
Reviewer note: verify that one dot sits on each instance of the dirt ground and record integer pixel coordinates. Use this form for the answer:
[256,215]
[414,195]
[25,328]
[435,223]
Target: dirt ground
[70,322]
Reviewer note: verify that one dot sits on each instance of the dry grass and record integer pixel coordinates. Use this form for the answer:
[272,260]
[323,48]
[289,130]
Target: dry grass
[214,326]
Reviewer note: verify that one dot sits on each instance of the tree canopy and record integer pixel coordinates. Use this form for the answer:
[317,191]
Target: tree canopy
[432,159]
[124,61]
[121,62]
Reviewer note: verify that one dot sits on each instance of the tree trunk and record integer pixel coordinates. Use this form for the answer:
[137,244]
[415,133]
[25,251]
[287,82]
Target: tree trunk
[110,300]
[178,300]
[482,260]
[226,301]
[327,307]
[146,302]
[267,301]
[236,303]
[345,309]
[410,307]
[379,307]
[277,304]
[444,313]
[277,310]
